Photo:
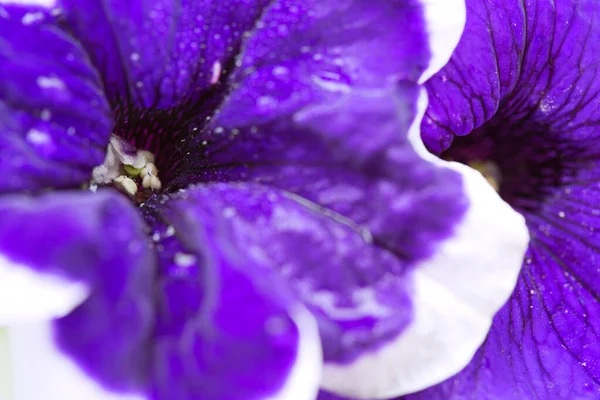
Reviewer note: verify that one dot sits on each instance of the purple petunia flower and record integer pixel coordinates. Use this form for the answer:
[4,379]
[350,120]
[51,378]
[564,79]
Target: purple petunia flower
[528,106]
[229,200]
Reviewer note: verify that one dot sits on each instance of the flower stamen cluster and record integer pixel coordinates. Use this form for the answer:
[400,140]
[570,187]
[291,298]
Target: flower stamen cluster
[127,169]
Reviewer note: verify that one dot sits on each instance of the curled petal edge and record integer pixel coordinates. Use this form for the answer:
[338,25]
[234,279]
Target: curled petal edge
[456,295]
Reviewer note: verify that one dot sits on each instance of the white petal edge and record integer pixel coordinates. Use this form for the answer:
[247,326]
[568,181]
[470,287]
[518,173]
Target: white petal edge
[41,3]
[5,372]
[41,371]
[28,295]
[445,21]
[305,377]
[456,295]
[33,357]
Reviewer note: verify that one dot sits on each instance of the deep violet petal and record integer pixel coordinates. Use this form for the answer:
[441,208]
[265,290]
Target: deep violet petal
[54,120]
[533,92]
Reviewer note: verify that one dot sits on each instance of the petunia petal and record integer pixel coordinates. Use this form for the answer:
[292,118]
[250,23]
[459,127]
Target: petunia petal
[162,53]
[228,327]
[310,115]
[442,296]
[325,257]
[540,127]
[321,154]
[96,240]
[372,308]
[54,120]
[312,53]
[166,53]
[543,343]
[115,344]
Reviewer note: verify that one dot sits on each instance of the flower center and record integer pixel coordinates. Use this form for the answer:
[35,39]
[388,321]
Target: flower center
[525,161]
[130,170]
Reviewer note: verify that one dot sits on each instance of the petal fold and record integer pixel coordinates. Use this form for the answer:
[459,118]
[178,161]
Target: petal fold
[452,314]
[372,310]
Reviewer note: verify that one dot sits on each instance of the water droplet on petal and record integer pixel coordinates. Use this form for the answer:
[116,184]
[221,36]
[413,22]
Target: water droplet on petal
[266,102]
[280,71]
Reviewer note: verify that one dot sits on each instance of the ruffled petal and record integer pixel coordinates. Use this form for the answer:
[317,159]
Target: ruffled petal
[541,131]
[54,120]
[321,154]
[543,343]
[132,338]
[94,240]
[164,53]
[327,260]
[535,62]
[373,307]
[228,327]
[169,66]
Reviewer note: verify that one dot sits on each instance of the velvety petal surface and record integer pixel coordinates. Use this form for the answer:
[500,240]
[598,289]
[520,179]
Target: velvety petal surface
[467,91]
[350,158]
[533,91]
[327,144]
[315,154]
[57,238]
[54,120]
[163,53]
[534,61]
